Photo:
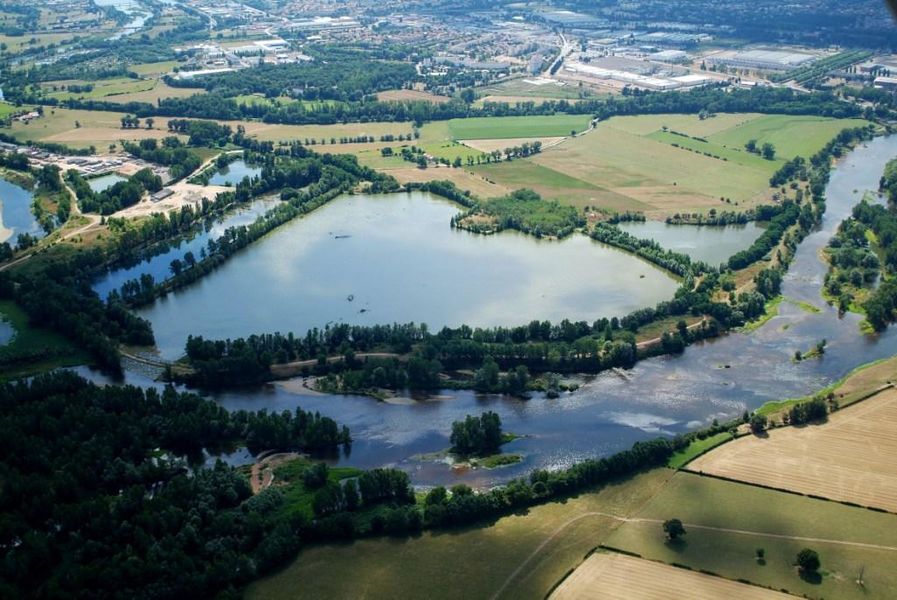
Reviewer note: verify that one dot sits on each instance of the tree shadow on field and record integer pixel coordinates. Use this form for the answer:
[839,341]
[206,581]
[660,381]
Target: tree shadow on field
[812,577]
[679,545]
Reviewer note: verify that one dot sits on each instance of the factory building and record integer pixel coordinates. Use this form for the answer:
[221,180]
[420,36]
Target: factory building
[766,60]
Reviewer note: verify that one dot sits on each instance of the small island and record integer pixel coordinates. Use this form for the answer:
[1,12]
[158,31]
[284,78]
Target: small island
[477,442]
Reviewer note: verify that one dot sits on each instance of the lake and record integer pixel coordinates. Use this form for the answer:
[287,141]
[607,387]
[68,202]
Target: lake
[712,244]
[371,259]
[661,396]
[104,182]
[17,215]
[234,173]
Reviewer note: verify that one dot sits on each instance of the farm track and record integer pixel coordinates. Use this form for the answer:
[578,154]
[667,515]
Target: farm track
[622,519]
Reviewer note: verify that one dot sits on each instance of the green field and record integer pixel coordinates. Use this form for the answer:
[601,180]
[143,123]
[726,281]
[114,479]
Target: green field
[630,163]
[259,100]
[297,499]
[697,448]
[33,350]
[519,87]
[101,88]
[555,185]
[791,135]
[468,563]
[7,109]
[158,91]
[487,128]
[738,156]
[156,68]
[688,124]
[710,502]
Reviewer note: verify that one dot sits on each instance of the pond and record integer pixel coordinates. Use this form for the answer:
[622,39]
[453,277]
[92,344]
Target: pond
[104,182]
[712,244]
[660,396]
[17,215]
[158,265]
[234,173]
[383,259]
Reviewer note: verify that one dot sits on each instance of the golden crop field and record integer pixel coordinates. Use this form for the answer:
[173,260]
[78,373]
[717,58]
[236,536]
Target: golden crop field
[852,457]
[613,576]
[464,179]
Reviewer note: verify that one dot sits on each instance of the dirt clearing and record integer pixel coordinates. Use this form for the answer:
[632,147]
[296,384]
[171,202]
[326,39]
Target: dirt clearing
[610,576]
[477,185]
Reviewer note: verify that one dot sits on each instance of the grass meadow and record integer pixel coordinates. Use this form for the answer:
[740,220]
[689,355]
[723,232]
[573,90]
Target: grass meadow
[771,518]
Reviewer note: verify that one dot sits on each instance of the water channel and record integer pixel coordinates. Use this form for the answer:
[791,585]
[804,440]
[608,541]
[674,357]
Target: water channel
[661,396]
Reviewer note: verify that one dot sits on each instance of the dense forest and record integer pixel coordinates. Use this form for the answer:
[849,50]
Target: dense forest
[98,494]
[349,79]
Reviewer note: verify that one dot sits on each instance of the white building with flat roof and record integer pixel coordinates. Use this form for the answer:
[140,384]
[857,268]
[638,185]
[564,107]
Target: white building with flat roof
[886,83]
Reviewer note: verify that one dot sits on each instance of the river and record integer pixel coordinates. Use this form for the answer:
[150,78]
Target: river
[660,396]
[138,13]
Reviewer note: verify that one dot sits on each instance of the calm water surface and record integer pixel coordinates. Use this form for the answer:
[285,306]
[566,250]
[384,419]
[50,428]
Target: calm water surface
[104,182]
[661,396]
[708,243]
[234,173]
[17,215]
[158,265]
[384,259]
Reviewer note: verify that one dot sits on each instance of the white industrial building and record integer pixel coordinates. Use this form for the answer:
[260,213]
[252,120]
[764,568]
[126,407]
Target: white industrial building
[767,60]
[669,56]
[886,83]
[656,83]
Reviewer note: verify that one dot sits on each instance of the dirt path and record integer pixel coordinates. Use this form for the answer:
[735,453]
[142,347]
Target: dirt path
[76,212]
[656,340]
[262,473]
[687,526]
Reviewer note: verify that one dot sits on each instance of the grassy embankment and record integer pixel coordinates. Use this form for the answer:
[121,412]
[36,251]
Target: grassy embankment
[726,522]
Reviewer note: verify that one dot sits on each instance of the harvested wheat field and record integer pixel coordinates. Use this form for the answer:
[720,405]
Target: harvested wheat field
[607,575]
[852,457]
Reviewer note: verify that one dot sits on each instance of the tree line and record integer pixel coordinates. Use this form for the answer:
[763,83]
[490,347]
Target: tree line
[711,99]
[881,306]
